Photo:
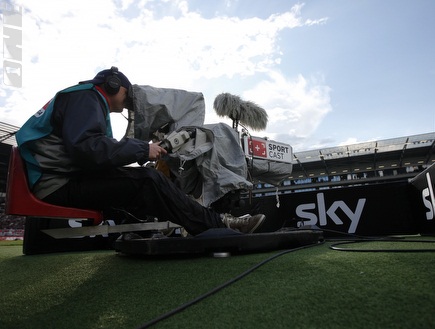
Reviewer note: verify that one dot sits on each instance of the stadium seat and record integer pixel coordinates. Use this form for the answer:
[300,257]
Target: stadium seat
[21,202]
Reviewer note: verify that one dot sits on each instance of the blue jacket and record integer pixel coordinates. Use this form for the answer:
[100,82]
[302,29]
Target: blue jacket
[79,118]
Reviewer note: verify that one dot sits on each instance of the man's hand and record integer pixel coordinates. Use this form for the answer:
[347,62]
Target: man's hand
[156,151]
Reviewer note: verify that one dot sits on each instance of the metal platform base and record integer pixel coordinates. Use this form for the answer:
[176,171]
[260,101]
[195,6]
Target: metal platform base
[216,241]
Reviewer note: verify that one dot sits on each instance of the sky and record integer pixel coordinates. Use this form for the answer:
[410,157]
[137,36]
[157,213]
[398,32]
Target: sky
[328,73]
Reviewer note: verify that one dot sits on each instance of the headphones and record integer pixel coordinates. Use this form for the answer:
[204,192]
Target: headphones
[113,82]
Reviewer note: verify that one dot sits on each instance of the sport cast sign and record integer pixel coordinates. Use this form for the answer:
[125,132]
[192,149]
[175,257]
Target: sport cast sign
[267,149]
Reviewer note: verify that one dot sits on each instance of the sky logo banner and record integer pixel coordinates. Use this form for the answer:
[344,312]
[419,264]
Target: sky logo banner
[338,212]
[423,196]
[429,198]
[366,210]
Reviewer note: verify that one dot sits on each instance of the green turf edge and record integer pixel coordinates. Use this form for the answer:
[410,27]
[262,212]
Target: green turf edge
[312,288]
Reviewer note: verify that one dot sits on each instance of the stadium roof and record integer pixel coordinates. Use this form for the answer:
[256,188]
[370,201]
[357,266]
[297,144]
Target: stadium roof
[7,133]
[417,150]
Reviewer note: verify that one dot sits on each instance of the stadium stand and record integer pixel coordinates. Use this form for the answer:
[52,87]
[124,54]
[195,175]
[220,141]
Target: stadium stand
[370,162]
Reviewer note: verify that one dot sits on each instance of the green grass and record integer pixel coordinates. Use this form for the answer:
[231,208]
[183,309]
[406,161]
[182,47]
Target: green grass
[11,243]
[310,288]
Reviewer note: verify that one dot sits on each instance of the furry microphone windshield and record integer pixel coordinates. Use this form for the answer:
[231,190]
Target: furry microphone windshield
[245,112]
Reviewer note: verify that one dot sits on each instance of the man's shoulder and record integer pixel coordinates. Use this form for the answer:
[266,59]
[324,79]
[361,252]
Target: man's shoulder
[82,95]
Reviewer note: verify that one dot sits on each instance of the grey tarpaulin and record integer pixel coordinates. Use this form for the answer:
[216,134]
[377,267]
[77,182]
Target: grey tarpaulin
[213,163]
[210,165]
[268,171]
[154,107]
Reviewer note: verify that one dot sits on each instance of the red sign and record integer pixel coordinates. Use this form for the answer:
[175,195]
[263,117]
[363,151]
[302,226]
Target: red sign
[257,148]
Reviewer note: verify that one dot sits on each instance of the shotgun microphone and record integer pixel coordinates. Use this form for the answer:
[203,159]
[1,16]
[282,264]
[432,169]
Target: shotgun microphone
[246,112]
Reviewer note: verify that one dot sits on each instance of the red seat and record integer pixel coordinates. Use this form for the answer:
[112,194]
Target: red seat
[21,202]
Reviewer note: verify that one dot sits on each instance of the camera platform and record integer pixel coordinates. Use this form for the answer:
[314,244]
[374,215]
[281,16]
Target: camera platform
[220,241]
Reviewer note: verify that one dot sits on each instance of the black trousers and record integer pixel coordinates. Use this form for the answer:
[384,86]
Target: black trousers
[140,191]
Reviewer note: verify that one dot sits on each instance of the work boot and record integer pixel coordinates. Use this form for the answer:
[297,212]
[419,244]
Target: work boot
[245,223]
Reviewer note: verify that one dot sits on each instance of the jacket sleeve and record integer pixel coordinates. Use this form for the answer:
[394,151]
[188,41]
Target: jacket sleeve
[80,118]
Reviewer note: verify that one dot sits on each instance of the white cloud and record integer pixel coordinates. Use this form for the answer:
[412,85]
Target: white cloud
[295,106]
[165,44]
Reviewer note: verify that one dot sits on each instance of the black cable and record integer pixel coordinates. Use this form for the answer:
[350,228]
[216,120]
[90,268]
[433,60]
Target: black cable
[335,246]
[127,118]
[220,287]
[129,215]
[361,239]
